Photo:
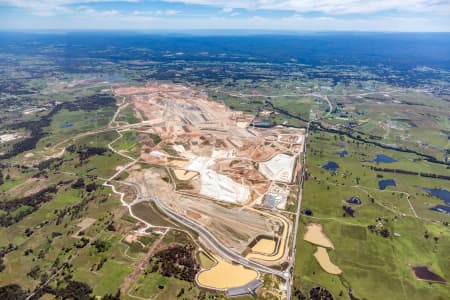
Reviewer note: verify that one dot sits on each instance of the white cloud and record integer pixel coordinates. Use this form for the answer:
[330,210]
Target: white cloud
[434,15]
[322,6]
[332,6]
[168,12]
[52,7]
[227,9]
[148,21]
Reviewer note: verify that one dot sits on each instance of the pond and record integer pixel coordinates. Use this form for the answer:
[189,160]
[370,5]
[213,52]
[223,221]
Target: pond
[424,273]
[381,158]
[442,209]
[224,275]
[330,166]
[66,125]
[442,194]
[354,200]
[383,184]
[342,153]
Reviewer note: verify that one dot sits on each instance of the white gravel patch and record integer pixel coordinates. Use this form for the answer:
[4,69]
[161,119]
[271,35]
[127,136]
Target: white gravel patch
[216,185]
[278,168]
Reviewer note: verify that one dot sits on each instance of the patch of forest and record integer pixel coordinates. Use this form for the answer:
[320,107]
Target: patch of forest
[178,262]
[12,213]
[37,127]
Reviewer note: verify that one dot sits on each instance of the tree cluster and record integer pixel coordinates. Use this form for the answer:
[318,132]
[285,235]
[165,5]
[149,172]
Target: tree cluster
[178,262]
[32,202]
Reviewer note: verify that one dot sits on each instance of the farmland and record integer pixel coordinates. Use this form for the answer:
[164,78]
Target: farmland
[159,174]
[362,253]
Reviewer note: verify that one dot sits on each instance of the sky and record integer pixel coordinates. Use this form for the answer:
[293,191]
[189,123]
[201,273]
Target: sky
[181,15]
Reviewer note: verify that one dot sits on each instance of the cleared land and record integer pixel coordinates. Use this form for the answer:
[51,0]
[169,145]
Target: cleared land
[264,246]
[225,275]
[324,260]
[315,235]
[212,168]
[278,168]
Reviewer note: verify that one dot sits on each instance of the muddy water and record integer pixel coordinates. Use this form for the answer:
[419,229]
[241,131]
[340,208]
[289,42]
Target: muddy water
[315,235]
[225,275]
[281,247]
[264,246]
[324,261]
[184,175]
[178,163]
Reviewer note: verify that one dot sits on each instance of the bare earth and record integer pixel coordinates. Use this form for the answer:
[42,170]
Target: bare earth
[225,275]
[315,235]
[324,261]
[213,169]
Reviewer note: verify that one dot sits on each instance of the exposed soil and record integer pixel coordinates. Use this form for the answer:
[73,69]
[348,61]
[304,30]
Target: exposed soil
[226,275]
[315,235]
[324,261]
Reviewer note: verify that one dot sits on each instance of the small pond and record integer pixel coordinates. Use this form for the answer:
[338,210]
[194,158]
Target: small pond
[424,273]
[442,194]
[330,166]
[354,200]
[342,153]
[66,125]
[381,158]
[442,209]
[383,184]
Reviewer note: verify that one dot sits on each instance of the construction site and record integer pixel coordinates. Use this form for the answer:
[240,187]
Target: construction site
[210,168]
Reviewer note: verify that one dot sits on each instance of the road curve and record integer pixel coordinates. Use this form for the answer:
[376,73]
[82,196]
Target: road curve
[214,243]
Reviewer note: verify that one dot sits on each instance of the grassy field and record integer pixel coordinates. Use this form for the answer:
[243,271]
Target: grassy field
[128,144]
[127,115]
[355,172]
[156,285]
[51,243]
[373,266]
[148,212]
[100,165]
[68,123]
[422,125]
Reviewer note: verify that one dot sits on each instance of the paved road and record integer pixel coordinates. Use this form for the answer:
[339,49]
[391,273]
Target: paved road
[214,243]
[207,237]
[297,219]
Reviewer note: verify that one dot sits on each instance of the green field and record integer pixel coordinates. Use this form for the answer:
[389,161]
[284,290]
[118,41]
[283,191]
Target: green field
[373,266]
[128,144]
[77,121]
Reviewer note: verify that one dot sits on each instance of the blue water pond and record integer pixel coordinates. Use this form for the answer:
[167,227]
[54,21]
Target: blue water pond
[442,194]
[330,166]
[342,153]
[66,125]
[383,184]
[442,208]
[354,200]
[381,158]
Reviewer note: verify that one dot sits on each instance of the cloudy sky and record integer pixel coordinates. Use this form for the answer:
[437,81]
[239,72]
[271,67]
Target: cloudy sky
[316,15]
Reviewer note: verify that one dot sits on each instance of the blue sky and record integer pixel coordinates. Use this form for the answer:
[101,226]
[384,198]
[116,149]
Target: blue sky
[316,15]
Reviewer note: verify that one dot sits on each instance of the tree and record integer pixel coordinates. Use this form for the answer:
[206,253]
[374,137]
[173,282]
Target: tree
[111,297]
[384,233]
[12,292]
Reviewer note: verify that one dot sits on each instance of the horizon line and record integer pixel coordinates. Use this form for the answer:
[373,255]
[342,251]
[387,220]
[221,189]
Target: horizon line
[205,30]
